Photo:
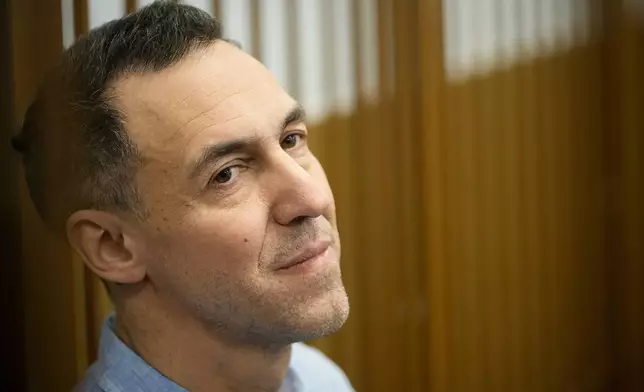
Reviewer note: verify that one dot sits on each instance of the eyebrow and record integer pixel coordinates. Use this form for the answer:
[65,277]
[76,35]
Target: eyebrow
[215,152]
[296,115]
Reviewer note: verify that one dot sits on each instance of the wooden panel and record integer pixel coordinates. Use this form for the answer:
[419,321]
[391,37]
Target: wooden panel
[96,301]
[12,374]
[623,63]
[54,299]
[406,160]
[255,50]
[216,6]
[383,311]
[130,6]
[81,17]
[522,242]
[432,141]
[292,44]
[345,167]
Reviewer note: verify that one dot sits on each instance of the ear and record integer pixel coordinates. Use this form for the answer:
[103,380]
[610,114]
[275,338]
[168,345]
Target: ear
[107,245]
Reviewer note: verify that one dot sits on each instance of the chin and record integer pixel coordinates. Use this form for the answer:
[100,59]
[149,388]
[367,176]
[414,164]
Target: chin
[323,318]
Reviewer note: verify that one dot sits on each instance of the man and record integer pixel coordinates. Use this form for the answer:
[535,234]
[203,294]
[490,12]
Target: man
[179,171]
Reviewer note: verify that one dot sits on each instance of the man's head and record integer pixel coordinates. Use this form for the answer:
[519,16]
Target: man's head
[179,169]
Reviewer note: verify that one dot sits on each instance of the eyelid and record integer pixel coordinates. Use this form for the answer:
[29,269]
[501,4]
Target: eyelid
[301,125]
[298,131]
[236,163]
[301,143]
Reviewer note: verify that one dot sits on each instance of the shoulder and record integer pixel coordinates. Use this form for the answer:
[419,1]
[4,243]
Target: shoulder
[316,371]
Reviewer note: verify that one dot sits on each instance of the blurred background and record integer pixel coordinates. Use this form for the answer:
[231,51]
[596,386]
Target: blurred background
[487,158]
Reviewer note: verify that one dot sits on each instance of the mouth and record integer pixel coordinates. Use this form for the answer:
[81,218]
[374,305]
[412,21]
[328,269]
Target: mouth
[307,257]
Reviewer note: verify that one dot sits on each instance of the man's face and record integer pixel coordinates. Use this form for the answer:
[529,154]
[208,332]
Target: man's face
[235,200]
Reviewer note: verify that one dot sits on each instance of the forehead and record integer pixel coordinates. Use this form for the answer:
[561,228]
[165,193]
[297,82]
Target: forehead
[214,94]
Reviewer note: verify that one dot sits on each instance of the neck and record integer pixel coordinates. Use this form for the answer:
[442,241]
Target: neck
[185,351]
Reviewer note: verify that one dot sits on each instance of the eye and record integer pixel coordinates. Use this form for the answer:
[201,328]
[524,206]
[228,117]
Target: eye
[226,175]
[291,140]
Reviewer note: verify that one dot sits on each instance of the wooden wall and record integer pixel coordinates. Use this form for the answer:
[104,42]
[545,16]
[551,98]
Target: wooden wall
[513,180]
[55,343]
[12,373]
[522,269]
[624,149]
[491,224]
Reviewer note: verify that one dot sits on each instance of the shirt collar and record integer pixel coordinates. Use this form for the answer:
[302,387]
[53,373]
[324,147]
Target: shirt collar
[125,370]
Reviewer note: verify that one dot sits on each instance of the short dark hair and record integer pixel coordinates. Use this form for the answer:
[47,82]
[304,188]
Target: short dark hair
[75,148]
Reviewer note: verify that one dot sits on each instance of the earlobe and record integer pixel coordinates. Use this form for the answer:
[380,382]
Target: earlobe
[106,246]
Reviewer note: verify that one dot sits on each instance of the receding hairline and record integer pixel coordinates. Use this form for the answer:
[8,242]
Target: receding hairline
[99,175]
[123,88]
[130,80]
[193,55]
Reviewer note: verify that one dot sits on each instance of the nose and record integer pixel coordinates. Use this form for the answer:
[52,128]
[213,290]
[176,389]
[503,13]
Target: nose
[298,193]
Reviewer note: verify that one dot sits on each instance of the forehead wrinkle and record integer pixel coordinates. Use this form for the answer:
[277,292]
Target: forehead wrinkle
[206,128]
[212,83]
[200,88]
[212,109]
[185,146]
[157,151]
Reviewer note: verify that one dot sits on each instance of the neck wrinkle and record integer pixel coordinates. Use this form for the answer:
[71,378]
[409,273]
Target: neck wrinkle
[183,350]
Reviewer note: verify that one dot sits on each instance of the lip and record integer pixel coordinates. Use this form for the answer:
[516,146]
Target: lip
[310,253]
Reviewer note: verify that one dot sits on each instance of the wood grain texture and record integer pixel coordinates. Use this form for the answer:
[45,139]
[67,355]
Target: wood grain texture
[81,17]
[130,6]
[216,6]
[433,161]
[623,63]
[255,9]
[54,302]
[12,373]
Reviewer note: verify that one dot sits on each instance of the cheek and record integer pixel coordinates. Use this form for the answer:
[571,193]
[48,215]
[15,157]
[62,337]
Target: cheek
[229,241]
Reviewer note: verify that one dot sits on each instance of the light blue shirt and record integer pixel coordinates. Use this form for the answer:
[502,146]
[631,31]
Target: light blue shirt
[119,369]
